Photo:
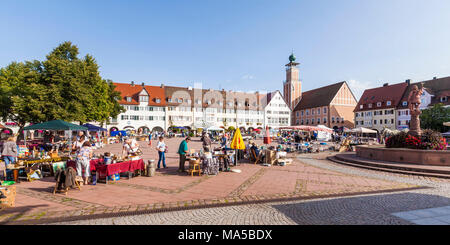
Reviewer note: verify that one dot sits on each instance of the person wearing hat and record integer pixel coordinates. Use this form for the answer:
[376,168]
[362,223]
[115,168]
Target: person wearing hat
[183,150]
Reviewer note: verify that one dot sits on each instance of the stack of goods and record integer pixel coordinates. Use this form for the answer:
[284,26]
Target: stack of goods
[282,159]
[7,194]
[270,156]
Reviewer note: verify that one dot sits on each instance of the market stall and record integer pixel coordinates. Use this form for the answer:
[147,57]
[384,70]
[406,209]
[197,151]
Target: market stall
[103,170]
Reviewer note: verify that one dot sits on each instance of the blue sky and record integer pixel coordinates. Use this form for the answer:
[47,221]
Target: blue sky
[238,45]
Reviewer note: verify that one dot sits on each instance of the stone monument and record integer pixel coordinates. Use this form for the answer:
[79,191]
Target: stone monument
[414,108]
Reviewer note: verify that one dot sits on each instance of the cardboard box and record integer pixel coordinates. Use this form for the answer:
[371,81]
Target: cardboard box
[10,200]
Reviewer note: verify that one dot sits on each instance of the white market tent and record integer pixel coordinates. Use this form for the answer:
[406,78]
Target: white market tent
[215,128]
[325,127]
[363,130]
[324,134]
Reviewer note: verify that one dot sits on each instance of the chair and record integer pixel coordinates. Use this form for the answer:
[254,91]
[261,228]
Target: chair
[257,158]
[194,167]
[61,177]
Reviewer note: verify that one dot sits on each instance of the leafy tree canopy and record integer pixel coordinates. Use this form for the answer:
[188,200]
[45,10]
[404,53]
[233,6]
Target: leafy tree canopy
[61,87]
[434,117]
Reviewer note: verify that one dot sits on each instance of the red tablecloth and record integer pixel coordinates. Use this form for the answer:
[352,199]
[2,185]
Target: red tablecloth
[110,169]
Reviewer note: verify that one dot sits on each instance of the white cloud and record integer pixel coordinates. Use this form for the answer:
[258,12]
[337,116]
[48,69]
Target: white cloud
[248,77]
[358,87]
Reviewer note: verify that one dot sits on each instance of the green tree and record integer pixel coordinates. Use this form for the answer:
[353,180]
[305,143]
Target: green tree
[22,97]
[434,117]
[61,87]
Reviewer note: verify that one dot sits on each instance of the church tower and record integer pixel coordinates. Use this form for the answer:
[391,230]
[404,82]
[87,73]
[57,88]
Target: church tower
[292,87]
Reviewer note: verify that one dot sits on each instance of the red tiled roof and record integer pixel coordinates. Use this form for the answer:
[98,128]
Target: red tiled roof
[128,90]
[383,94]
[318,97]
[437,87]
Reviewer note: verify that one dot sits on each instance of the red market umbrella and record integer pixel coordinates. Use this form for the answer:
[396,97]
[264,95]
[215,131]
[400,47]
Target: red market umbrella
[267,139]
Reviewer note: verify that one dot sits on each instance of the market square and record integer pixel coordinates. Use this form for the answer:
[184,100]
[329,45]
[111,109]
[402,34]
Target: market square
[203,113]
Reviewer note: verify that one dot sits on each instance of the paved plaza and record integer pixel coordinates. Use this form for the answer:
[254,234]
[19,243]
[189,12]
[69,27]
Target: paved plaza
[312,190]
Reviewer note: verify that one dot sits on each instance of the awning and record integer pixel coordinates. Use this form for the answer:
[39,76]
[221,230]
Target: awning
[307,128]
[91,127]
[447,124]
[56,125]
[215,129]
[363,130]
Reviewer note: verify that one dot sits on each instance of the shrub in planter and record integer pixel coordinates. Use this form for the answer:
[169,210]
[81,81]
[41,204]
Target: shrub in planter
[429,140]
[432,140]
[397,140]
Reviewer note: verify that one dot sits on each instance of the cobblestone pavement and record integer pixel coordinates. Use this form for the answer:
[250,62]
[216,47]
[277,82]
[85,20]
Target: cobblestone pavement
[374,209]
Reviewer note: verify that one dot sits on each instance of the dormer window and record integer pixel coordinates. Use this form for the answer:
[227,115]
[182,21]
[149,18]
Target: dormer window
[158,100]
[370,106]
[388,103]
[180,100]
[361,106]
[444,99]
[405,103]
[169,100]
[143,98]
[128,99]
[378,104]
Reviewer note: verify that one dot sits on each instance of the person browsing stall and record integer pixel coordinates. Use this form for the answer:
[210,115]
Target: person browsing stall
[9,153]
[84,156]
[130,146]
[183,150]
[161,147]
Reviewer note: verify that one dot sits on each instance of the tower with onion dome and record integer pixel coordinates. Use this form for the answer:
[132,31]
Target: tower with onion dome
[292,87]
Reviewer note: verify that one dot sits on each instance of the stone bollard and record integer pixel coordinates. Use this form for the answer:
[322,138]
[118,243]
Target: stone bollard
[151,168]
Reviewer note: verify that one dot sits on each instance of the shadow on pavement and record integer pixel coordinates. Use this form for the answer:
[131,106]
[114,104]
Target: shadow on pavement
[366,210]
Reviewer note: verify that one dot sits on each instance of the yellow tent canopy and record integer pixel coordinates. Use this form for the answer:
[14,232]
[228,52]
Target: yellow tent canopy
[237,142]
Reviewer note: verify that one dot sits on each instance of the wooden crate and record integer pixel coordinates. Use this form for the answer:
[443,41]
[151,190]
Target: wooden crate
[10,200]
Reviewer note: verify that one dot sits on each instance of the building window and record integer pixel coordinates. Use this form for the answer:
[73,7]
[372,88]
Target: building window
[302,122]
[388,103]
[324,120]
[444,99]
[392,121]
[332,119]
[307,121]
[381,121]
[374,122]
[318,120]
[143,98]
[370,105]
[378,104]
[312,121]
[158,101]
[405,103]
[128,99]
[337,119]
[324,110]
[307,112]
[297,114]
[318,111]
[385,121]
[302,113]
